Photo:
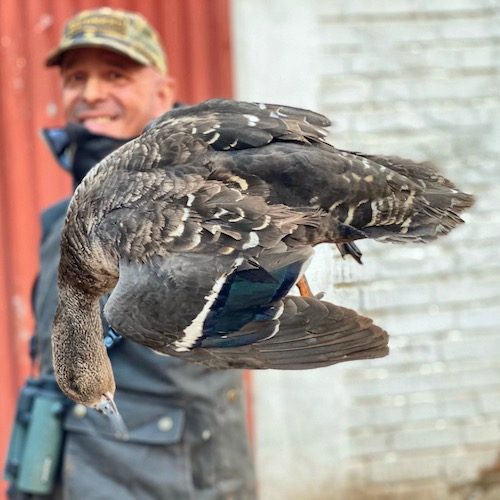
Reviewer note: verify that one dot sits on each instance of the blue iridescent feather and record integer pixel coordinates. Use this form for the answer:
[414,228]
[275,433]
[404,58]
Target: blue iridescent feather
[248,296]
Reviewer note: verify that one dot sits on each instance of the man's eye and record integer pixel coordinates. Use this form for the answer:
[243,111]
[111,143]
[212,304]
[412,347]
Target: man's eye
[115,75]
[73,78]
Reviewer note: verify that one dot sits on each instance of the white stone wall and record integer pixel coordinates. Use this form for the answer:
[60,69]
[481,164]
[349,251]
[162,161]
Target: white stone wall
[417,78]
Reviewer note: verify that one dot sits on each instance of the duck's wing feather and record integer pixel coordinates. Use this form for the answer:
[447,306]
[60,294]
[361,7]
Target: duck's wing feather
[310,333]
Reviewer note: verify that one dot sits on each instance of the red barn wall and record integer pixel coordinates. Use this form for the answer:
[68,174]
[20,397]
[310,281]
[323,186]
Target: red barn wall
[196,34]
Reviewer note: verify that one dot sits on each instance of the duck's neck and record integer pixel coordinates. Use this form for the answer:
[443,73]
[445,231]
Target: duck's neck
[87,269]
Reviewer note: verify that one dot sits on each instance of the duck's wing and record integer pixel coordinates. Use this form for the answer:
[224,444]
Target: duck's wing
[225,125]
[183,299]
[224,313]
[309,333]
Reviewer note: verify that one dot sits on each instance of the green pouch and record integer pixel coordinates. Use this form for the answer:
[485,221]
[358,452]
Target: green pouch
[36,442]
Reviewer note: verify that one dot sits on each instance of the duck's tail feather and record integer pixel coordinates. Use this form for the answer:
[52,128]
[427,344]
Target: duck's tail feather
[431,207]
[399,201]
[433,213]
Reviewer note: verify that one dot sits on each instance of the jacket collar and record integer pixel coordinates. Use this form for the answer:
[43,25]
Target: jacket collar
[77,150]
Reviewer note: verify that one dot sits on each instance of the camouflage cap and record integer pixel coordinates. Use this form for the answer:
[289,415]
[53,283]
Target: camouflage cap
[118,30]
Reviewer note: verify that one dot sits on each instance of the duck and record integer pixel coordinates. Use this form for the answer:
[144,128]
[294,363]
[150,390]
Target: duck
[199,229]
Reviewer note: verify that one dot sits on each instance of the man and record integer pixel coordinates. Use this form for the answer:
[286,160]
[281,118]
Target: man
[186,423]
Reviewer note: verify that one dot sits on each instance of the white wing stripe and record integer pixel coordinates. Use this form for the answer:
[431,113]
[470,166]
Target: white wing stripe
[195,330]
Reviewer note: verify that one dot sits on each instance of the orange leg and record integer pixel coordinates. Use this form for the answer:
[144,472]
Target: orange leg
[304,288]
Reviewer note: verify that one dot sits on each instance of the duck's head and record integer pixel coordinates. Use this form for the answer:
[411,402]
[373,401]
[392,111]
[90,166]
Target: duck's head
[83,370]
[81,363]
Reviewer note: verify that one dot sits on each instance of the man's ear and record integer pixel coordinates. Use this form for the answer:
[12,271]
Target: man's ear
[167,87]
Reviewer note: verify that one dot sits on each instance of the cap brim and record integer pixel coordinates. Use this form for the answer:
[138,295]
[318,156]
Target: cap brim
[56,56]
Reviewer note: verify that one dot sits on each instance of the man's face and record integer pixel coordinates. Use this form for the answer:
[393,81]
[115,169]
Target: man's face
[110,94]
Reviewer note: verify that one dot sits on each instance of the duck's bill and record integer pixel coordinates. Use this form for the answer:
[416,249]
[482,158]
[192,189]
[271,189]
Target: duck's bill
[107,407]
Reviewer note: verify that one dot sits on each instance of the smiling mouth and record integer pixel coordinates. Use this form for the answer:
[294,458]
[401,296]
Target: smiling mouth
[97,119]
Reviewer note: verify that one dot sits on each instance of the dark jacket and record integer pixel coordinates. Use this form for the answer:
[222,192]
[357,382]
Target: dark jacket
[187,428]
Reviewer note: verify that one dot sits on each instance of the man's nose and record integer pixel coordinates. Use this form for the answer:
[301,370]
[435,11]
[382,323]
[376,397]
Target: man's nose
[94,89]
